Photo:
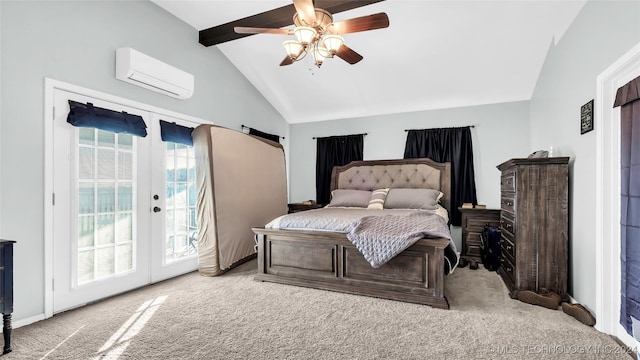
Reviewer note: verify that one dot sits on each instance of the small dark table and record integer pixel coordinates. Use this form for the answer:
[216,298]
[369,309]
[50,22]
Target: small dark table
[6,290]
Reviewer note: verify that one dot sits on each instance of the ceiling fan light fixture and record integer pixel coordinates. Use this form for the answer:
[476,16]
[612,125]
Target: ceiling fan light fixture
[293,48]
[316,33]
[304,34]
[319,54]
[332,43]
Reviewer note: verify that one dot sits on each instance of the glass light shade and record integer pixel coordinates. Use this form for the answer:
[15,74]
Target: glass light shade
[319,54]
[304,34]
[332,43]
[293,48]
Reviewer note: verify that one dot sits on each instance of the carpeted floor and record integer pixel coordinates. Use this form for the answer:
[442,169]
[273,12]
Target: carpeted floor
[234,317]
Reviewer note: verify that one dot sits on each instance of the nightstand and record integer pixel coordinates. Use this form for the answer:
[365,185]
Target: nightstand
[473,222]
[6,290]
[295,207]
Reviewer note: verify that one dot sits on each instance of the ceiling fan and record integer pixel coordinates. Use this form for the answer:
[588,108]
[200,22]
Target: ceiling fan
[318,35]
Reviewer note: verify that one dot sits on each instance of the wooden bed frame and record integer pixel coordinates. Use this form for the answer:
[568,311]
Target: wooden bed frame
[329,261]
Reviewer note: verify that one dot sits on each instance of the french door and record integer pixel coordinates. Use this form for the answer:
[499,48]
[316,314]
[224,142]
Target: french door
[174,227]
[124,206]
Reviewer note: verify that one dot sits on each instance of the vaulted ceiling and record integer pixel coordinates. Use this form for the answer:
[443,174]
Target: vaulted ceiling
[433,55]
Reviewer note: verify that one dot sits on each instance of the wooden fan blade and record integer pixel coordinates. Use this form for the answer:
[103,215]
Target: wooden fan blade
[255,30]
[364,23]
[305,11]
[345,53]
[286,61]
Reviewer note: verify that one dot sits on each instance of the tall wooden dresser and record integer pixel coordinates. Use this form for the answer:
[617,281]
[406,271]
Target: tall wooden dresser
[534,222]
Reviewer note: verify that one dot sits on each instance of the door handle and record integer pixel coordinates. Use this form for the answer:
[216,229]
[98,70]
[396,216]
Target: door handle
[156,209]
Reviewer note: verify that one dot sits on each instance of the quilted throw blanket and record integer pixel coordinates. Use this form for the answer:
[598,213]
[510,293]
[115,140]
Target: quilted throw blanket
[378,234]
[380,238]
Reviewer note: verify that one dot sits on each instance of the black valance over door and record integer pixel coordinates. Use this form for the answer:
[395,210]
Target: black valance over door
[89,116]
[448,145]
[170,131]
[628,98]
[334,151]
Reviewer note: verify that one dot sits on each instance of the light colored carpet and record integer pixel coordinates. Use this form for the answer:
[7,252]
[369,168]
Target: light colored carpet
[234,317]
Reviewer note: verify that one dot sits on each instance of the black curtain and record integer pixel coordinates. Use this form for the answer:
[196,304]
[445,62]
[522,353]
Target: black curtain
[89,116]
[264,135]
[334,151]
[170,131]
[448,145]
[628,97]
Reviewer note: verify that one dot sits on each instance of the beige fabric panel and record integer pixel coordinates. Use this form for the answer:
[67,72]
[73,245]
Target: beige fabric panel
[241,183]
[390,176]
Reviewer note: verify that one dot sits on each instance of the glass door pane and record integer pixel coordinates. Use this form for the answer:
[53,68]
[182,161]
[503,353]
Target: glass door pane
[174,228]
[106,188]
[181,226]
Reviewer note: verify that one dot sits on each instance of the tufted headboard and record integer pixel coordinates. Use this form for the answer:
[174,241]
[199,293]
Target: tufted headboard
[421,173]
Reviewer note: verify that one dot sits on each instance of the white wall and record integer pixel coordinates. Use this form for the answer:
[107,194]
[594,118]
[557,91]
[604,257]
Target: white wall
[75,42]
[501,132]
[601,33]
[1,82]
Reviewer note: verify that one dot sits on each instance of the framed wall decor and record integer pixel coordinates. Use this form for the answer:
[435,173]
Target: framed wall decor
[586,117]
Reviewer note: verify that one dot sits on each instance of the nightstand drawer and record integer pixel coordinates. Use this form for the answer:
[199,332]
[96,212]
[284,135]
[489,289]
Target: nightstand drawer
[474,224]
[473,244]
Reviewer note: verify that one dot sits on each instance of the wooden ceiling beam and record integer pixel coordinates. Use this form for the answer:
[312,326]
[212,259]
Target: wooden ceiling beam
[276,18]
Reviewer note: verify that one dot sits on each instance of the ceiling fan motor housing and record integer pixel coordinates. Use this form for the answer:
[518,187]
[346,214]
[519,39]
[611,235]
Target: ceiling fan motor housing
[323,20]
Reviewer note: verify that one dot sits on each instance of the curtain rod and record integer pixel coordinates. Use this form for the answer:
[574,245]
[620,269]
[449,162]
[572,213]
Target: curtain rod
[470,126]
[243,126]
[363,134]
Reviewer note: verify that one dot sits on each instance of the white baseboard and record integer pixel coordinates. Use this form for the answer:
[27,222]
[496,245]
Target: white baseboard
[25,322]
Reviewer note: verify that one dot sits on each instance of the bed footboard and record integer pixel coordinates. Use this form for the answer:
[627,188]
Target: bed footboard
[329,261]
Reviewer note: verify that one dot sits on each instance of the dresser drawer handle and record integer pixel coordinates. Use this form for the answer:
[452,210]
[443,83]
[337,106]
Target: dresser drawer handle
[509,269]
[509,247]
[508,203]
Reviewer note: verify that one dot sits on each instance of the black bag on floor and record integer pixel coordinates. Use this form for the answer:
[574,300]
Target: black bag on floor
[490,247]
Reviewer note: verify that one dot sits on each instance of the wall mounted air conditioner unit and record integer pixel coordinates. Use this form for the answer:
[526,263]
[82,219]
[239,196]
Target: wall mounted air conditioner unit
[139,69]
